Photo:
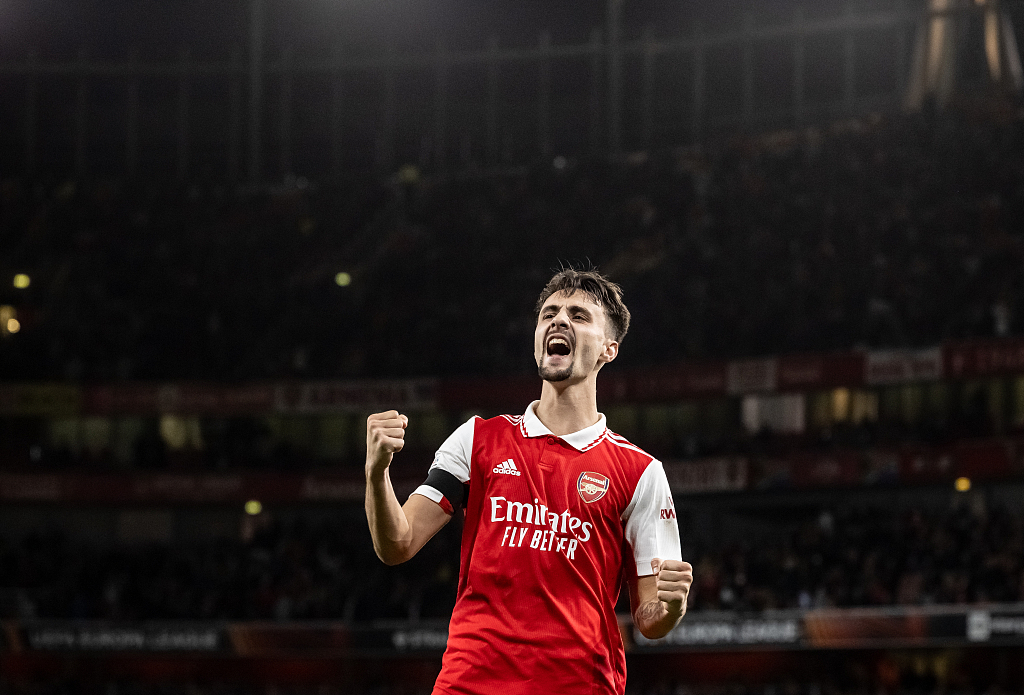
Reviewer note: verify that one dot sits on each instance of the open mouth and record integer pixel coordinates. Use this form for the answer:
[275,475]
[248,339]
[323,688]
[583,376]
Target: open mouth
[558,345]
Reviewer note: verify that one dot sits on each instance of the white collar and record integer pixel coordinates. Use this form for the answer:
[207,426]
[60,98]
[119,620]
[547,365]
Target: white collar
[581,440]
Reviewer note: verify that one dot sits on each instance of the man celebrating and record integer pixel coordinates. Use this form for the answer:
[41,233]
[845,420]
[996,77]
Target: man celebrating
[556,505]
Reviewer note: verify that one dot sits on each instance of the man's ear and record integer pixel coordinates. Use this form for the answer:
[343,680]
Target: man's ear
[610,351]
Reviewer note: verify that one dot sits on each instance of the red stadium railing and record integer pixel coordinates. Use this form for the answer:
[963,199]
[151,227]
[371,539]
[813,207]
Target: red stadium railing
[989,459]
[788,373]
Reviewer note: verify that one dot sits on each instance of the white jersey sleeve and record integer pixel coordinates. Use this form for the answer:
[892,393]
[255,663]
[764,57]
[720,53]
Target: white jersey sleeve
[451,465]
[650,517]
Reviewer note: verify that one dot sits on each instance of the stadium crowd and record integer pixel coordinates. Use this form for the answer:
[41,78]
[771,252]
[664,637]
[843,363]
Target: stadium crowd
[297,571]
[865,557]
[887,232]
[326,570]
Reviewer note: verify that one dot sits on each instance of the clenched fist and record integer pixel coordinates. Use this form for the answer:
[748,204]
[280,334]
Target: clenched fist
[674,579]
[385,436]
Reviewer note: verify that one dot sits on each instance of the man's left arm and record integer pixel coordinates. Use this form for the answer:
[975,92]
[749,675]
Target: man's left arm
[658,600]
[660,583]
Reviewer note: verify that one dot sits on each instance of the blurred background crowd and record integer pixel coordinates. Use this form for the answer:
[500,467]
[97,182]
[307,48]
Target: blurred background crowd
[881,232]
[305,569]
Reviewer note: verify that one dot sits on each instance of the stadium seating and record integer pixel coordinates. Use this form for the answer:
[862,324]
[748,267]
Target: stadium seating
[894,232]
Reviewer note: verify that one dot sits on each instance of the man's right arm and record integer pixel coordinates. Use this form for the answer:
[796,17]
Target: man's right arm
[398,531]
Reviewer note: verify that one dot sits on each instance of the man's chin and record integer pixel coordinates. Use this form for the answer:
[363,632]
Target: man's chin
[555,375]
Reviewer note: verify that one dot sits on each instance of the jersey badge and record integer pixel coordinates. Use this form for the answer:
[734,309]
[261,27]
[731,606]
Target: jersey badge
[592,486]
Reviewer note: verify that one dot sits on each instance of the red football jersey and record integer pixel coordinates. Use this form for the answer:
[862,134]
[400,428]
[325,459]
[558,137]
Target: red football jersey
[551,525]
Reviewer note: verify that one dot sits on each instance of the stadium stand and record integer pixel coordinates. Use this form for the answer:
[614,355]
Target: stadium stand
[890,232]
[965,553]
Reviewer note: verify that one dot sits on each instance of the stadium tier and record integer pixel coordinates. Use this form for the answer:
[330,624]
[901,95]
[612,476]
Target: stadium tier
[857,418]
[755,556]
[880,233]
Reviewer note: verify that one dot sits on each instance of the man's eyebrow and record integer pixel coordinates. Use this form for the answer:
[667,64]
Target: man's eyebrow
[572,309]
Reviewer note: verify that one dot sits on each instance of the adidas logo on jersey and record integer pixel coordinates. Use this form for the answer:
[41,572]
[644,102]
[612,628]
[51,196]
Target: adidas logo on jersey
[507,467]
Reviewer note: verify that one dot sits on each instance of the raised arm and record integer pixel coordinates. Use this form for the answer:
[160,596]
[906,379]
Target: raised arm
[398,531]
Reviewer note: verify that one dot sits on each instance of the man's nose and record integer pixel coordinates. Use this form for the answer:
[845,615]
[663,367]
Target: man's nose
[560,319]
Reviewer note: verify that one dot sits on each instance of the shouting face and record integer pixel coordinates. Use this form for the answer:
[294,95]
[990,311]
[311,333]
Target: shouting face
[571,339]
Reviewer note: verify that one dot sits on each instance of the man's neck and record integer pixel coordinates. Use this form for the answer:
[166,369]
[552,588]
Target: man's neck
[568,408]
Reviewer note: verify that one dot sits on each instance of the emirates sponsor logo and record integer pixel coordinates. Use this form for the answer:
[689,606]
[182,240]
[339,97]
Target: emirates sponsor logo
[537,527]
[592,486]
[506,468]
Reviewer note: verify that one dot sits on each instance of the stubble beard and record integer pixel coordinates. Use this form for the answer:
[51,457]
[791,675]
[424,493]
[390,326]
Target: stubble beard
[554,375]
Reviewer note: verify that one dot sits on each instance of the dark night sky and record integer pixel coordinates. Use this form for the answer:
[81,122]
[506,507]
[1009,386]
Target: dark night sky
[157,28]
